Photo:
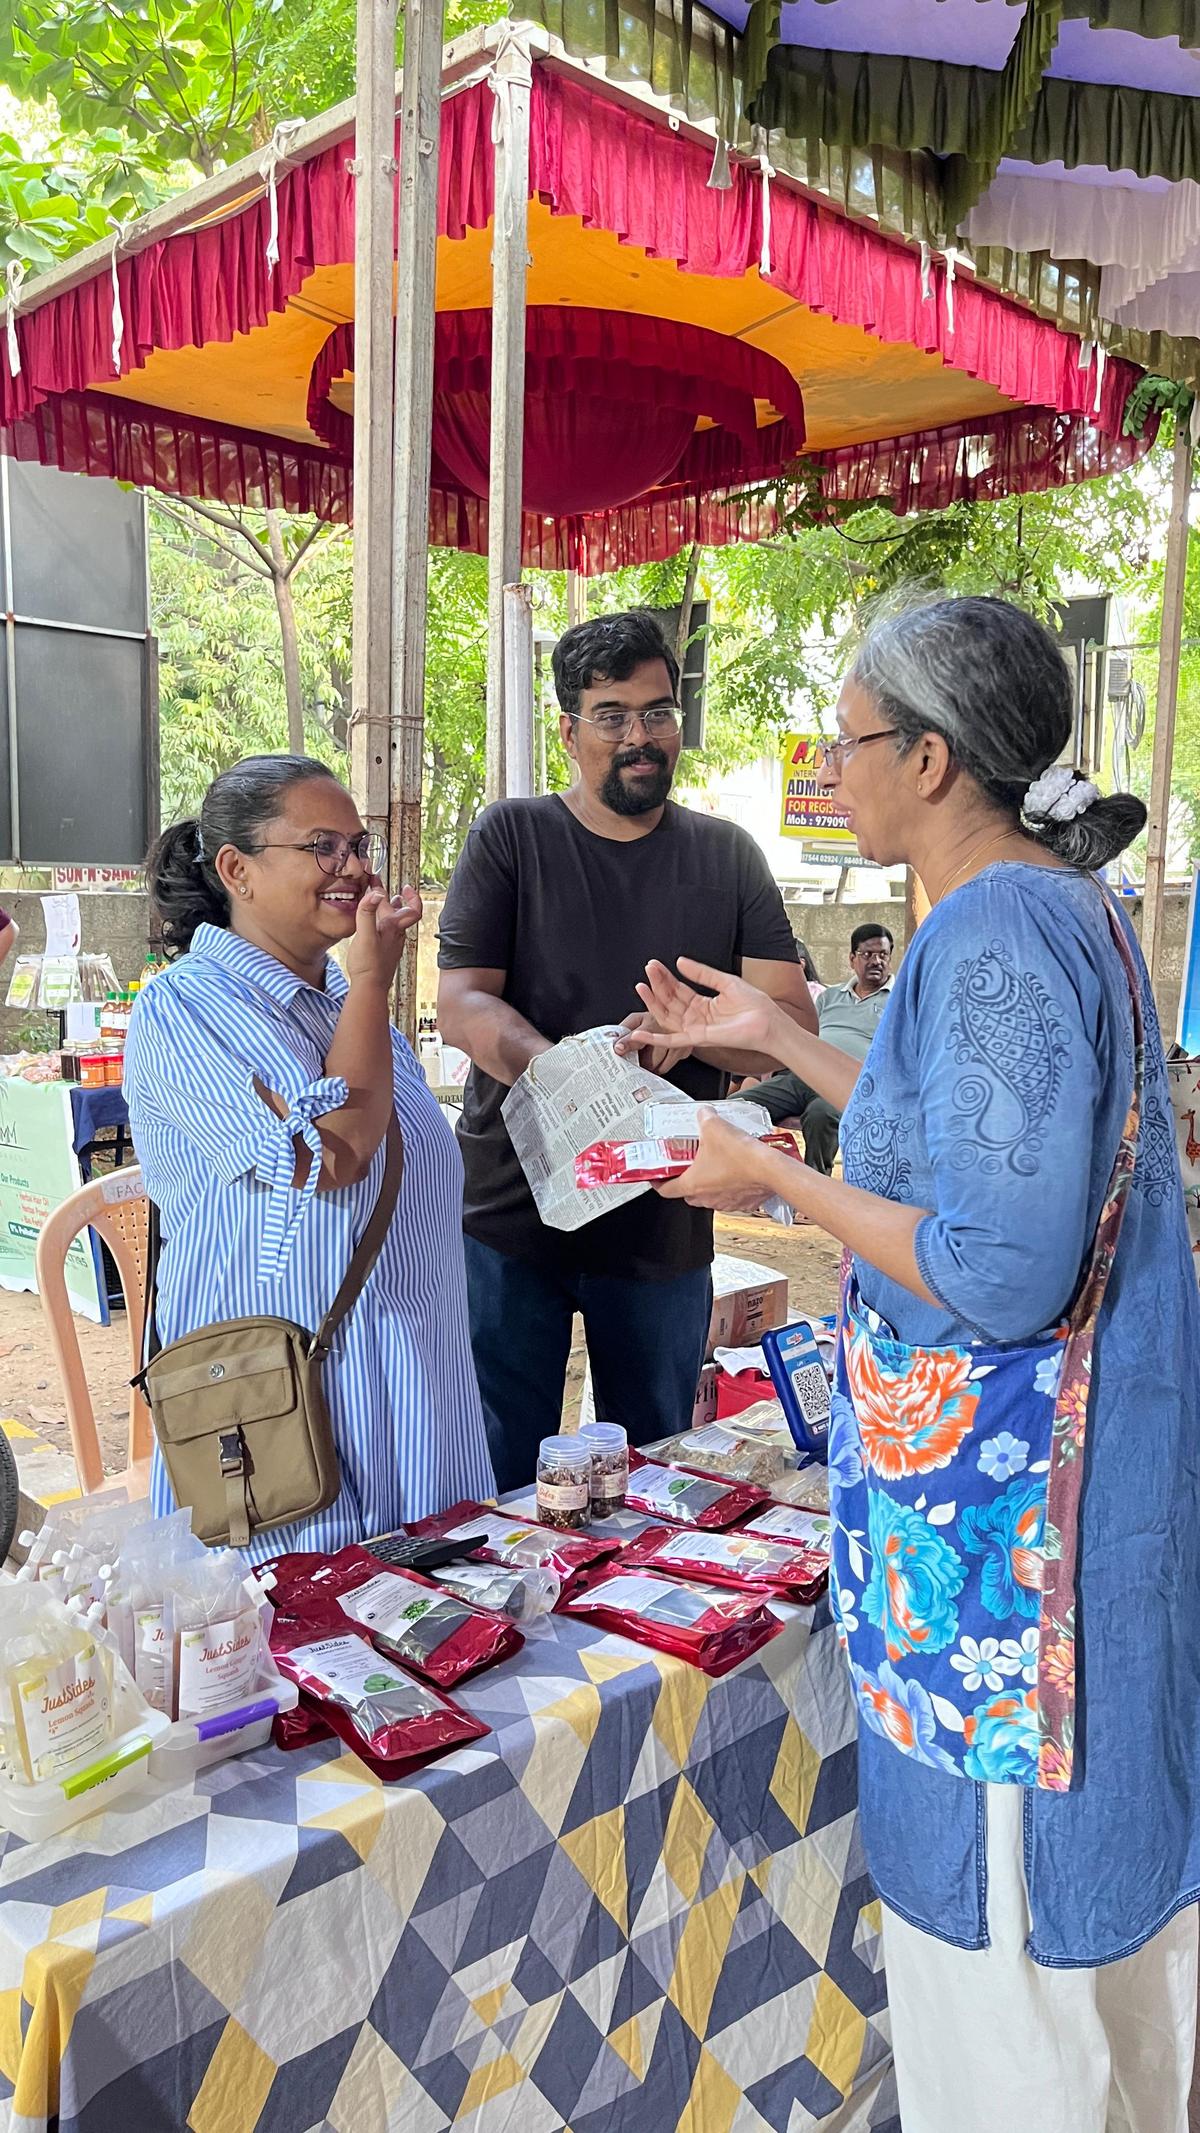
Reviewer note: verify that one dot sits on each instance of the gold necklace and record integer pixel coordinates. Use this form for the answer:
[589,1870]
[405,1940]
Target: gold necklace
[974,861]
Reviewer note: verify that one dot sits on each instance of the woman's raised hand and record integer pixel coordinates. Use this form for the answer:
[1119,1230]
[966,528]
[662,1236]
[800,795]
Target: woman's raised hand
[383,925]
[738,1018]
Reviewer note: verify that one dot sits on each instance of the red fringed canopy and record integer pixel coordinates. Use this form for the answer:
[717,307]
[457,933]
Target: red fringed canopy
[1004,404]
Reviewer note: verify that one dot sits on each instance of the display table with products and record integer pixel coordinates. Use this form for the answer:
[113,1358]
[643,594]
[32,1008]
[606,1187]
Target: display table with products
[39,1169]
[638,1904]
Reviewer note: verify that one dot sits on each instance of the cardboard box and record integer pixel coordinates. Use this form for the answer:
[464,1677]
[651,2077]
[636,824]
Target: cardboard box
[748,1300]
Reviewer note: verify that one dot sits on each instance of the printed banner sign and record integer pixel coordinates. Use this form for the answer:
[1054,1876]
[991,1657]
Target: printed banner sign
[808,811]
[38,1171]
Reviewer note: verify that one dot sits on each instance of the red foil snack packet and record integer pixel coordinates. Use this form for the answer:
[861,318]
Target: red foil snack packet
[749,1560]
[406,1616]
[518,1543]
[689,1499]
[712,1630]
[649,1161]
[392,1723]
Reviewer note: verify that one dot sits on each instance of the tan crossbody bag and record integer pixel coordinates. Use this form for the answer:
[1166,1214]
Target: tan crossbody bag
[239,1408]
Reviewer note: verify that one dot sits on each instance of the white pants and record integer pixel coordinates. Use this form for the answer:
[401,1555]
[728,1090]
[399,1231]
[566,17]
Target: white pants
[988,2041]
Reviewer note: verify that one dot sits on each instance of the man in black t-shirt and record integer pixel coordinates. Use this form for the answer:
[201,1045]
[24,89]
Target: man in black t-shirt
[555,908]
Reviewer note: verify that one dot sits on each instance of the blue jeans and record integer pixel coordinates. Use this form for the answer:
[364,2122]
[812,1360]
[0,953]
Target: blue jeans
[646,1342]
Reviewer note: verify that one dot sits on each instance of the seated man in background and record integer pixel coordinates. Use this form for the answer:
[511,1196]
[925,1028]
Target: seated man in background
[847,1016]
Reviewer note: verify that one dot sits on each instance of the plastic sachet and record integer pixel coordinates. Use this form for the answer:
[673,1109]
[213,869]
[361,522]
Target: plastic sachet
[689,1499]
[711,1629]
[408,1618]
[391,1722]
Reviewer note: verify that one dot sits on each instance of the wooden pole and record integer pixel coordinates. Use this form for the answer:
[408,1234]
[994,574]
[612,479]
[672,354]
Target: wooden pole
[416,272]
[374,261]
[1166,701]
[518,690]
[512,80]
[576,599]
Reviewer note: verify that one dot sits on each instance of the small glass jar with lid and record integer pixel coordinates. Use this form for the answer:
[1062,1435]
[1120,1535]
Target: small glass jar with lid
[610,1465]
[564,1483]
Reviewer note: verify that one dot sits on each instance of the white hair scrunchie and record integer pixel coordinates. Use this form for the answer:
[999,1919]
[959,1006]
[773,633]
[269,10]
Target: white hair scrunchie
[1059,795]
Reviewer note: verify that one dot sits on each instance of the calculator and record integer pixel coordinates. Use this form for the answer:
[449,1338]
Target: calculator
[405,1551]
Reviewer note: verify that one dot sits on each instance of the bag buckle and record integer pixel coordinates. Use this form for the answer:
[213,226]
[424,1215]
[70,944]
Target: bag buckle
[232,1453]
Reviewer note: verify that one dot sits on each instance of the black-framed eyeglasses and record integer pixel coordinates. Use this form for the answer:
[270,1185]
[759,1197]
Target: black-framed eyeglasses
[615,726]
[832,754]
[331,851]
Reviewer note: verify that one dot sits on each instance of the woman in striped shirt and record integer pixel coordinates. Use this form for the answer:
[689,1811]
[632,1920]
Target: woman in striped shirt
[260,1083]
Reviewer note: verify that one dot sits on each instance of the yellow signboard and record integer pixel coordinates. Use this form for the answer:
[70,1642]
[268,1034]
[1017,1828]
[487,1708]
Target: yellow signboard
[808,810]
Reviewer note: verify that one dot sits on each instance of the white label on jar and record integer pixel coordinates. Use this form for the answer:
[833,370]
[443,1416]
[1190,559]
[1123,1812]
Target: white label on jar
[150,1656]
[218,1665]
[67,1713]
[783,1522]
[606,1486]
[563,1495]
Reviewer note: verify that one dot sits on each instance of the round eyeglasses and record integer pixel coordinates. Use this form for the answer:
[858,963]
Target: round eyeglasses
[331,851]
[617,726]
[831,755]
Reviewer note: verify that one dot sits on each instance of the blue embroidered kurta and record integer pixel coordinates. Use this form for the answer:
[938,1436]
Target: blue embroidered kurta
[994,1094]
[238,1239]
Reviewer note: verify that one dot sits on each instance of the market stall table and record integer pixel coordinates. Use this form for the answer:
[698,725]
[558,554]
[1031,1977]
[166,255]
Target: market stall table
[640,1904]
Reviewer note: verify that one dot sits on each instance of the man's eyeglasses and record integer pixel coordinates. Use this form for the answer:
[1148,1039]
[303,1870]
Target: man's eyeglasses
[616,726]
[331,851]
[832,755]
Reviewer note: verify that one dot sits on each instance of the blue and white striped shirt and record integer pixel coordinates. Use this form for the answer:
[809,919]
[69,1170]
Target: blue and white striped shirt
[238,1239]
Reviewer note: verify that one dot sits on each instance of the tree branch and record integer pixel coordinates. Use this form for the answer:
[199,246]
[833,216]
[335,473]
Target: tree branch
[170,506]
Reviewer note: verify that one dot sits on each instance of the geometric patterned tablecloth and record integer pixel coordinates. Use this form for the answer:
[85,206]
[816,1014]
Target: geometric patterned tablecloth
[639,1905]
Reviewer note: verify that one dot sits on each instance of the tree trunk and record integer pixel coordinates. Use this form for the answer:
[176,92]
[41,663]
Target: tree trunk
[686,604]
[286,606]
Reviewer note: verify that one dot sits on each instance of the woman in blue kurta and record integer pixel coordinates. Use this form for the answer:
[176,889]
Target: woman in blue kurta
[261,1082]
[978,1146]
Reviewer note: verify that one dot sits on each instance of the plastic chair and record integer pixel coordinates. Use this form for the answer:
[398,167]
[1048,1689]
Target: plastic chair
[117,1208]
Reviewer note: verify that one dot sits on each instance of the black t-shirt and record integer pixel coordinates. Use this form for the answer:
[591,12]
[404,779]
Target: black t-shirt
[573,919]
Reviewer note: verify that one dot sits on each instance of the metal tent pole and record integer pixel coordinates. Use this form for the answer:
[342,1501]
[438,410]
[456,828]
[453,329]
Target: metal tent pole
[1167,701]
[416,275]
[374,261]
[512,80]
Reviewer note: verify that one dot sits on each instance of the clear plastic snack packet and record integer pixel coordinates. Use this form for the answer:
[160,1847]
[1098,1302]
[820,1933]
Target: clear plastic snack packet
[135,1601]
[391,1721]
[517,1543]
[56,1690]
[213,1631]
[525,1596]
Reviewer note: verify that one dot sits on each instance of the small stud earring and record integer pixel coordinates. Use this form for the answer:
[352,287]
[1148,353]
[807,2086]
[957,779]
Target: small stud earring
[243,891]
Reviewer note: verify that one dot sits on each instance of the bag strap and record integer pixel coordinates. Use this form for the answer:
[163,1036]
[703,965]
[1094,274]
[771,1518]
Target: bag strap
[366,1252]
[369,1245]
[1112,1213]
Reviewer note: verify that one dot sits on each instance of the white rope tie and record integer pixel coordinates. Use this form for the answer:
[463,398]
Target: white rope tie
[926,273]
[1101,367]
[14,275]
[118,315]
[951,258]
[765,264]
[268,169]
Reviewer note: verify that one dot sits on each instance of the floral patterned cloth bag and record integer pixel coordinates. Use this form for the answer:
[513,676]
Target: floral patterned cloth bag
[955,1479]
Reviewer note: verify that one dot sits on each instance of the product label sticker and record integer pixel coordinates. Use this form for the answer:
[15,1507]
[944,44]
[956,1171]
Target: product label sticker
[501,1534]
[676,1493]
[67,1712]
[648,1600]
[349,1665]
[563,1495]
[787,1522]
[727,1551]
[218,1665]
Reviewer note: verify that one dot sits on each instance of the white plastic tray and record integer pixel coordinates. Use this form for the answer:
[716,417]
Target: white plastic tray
[55,1804]
[192,1744]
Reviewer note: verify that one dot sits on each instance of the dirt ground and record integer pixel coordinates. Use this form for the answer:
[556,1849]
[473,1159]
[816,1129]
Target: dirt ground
[29,1388]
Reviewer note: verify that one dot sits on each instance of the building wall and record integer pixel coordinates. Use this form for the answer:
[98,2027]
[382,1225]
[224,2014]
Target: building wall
[119,924]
